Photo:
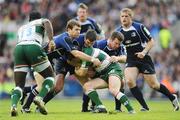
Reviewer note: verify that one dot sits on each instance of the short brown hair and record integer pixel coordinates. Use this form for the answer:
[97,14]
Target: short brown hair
[91,35]
[128,11]
[83,6]
[117,35]
[71,23]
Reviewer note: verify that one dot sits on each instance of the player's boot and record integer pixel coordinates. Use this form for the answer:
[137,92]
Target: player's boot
[14,112]
[25,110]
[144,109]
[85,110]
[131,112]
[119,111]
[92,107]
[40,104]
[175,103]
[115,111]
[100,109]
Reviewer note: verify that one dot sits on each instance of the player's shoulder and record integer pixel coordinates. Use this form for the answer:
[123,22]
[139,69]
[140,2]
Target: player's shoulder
[118,29]
[101,43]
[137,24]
[91,20]
[22,27]
[80,38]
[61,36]
[37,22]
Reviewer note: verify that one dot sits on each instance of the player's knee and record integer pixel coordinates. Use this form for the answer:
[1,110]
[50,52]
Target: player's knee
[113,91]
[131,84]
[39,87]
[87,86]
[58,88]
[154,86]
[59,83]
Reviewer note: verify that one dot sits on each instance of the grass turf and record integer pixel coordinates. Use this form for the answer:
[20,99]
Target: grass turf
[69,109]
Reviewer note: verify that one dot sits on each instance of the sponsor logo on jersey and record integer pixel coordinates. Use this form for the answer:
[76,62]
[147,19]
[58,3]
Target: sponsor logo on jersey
[128,41]
[133,34]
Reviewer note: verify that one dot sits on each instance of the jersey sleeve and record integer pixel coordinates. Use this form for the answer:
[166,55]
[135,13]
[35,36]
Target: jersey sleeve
[95,25]
[100,44]
[65,43]
[79,42]
[146,36]
[69,44]
[87,51]
[118,29]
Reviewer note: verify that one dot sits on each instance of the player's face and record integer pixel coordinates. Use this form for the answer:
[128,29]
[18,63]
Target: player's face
[75,31]
[88,43]
[82,14]
[114,44]
[125,19]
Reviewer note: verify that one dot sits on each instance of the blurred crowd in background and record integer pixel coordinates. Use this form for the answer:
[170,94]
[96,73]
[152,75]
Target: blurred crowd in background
[161,17]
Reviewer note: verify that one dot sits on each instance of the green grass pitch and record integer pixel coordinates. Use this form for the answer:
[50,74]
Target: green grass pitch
[69,109]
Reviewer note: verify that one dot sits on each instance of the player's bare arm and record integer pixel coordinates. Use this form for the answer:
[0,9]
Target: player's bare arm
[146,49]
[49,31]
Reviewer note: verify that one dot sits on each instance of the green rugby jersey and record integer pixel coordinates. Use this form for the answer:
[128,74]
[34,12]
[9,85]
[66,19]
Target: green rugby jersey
[32,33]
[97,53]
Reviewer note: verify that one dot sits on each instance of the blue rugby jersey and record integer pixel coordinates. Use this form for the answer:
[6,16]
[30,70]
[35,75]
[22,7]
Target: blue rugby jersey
[103,45]
[64,42]
[135,37]
[89,24]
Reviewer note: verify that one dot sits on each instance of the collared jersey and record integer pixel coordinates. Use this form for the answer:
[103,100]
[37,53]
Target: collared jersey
[135,38]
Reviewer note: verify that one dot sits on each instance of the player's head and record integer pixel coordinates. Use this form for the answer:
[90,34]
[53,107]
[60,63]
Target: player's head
[82,12]
[126,16]
[73,27]
[34,15]
[90,38]
[115,40]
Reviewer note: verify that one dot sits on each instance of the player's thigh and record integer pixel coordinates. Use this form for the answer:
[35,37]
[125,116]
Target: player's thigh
[114,84]
[20,58]
[131,74]
[37,58]
[96,83]
[59,82]
[81,80]
[21,66]
[152,81]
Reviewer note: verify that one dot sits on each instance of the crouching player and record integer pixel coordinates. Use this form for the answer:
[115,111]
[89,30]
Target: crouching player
[110,77]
